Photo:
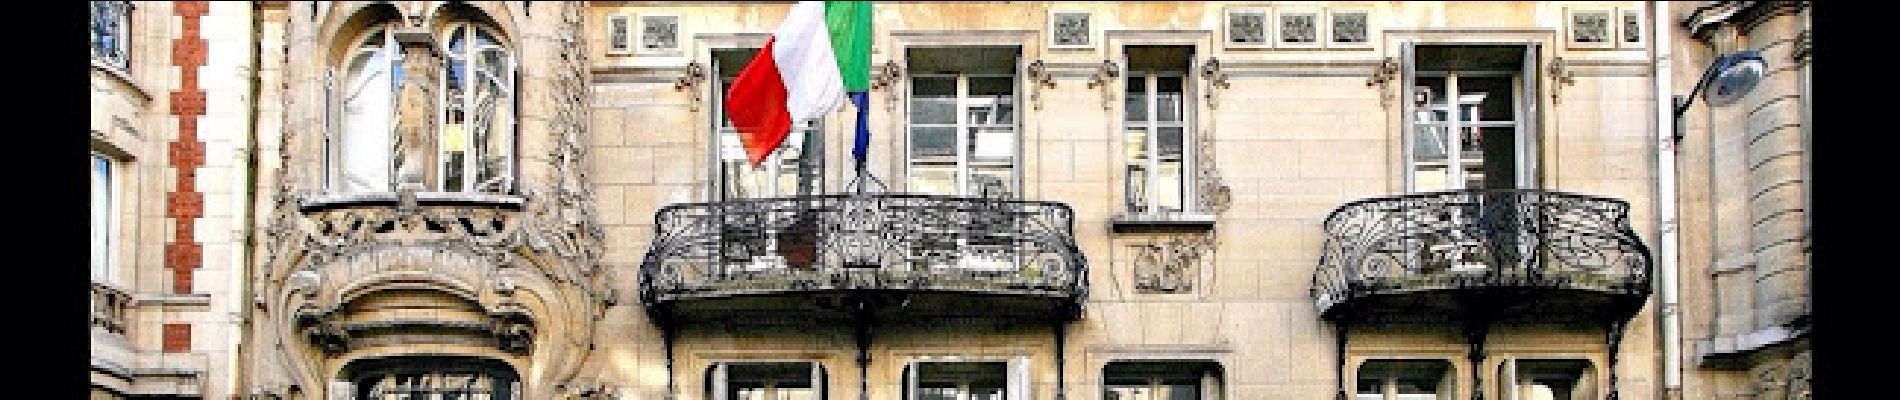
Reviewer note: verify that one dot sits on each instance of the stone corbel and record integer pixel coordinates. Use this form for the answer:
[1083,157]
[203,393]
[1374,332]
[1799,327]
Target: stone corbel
[1386,72]
[690,80]
[1215,79]
[1039,74]
[885,78]
[1104,75]
[1562,76]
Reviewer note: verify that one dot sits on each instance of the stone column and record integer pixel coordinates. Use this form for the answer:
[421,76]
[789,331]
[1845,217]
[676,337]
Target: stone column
[1775,150]
[416,98]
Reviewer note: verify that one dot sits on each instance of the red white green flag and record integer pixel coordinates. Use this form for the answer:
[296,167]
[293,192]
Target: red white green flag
[819,54]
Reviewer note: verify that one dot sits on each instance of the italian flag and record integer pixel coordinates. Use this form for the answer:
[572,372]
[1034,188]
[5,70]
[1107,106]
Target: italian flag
[819,54]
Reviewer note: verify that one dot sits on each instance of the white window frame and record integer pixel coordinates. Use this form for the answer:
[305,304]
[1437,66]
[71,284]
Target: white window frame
[1016,379]
[1527,135]
[961,128]
[777,162]
[1152,144]
[621,24]
[476,149]
[1508,386]
[1622,25]
[640,36]
[1611,18]
[1333,13]
[721,381]
[1319,27]
[1269,30]
[339,92]
[1090,38]
[104,215]
[1389,383]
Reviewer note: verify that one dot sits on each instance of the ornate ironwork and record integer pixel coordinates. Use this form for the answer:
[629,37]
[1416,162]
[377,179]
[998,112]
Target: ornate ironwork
[1479,238]
[863,241]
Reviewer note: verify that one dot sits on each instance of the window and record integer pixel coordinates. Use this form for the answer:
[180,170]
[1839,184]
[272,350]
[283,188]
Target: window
[1546,380]
[102,217]
[475,142]
[1160,380]
[767,381]
[1404,380]
[1247,28]
[1156,168]
[111,32]
[778,174]
[1472,117]
[619,38]
[958,381]
[368,98]
[659,33]
[962,118]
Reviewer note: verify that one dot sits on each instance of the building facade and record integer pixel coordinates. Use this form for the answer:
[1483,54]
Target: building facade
[1149,200]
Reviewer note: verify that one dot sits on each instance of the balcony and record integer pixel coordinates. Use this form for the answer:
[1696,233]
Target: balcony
[109,306]
[949,255]
[1507,252]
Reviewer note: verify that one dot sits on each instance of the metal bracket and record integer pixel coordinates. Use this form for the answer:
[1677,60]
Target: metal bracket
[1215,79]
[694,74]
[1103,74]
[1562,75]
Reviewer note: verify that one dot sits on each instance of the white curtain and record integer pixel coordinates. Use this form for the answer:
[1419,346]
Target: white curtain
[368,121]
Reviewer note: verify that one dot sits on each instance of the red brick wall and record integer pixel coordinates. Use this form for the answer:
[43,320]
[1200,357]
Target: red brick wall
[177,338]
[184,204]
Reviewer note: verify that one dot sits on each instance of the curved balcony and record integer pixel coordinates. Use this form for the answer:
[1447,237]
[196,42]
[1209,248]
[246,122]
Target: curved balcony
[1513,252]
[940,253]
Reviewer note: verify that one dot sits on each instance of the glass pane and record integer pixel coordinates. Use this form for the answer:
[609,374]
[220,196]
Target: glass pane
[1135,162]
[933,110]
[933,86]
[1180,392]
[933,141]
[1170,183]
[1493,95]
[795,394]
[938,393]
[101,215]
[1135,104]
[992,181]
[1496,149]
[1168,98]
[992,86]
[933,179]
[1370,389]
[1170,142]
[986,393]
[991,110]
[1129,393]
[992,143]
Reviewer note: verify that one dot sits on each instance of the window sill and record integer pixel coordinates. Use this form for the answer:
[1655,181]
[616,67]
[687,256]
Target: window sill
[332,201]
[1165,221]
[123,76]
[175,300]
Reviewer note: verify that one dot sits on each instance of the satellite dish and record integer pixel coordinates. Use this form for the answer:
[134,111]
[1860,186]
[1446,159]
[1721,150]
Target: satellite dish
[1736,74]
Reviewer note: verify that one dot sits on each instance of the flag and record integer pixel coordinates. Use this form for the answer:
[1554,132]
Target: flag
[821,52]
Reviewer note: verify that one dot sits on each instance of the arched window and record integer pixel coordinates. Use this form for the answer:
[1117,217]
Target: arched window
[476,129]
[361,152]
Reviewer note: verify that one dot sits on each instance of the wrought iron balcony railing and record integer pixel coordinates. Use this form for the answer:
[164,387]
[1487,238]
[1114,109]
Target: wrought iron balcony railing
[1479,239]
[901,242]
[109,306]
